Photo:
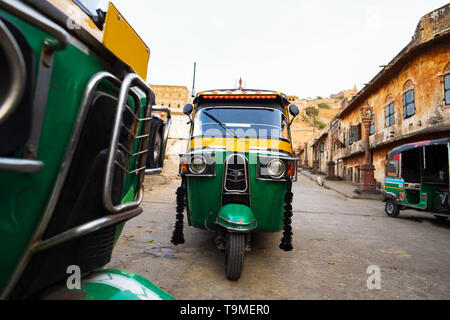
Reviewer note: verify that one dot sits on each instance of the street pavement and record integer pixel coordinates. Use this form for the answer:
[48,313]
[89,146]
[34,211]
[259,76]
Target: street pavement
[337,240]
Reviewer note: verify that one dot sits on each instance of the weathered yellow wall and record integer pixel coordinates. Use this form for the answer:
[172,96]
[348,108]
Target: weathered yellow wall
[426,72]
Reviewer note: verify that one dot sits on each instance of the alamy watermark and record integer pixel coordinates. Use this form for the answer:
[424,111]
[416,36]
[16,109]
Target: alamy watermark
[74,280]
[374,280]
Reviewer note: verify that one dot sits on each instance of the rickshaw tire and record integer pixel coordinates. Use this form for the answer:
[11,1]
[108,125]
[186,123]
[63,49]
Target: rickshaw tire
[392,209]
[155,129]
[234,255]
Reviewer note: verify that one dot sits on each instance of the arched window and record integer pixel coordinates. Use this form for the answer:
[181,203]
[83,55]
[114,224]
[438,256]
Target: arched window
[409,104]
[389,114]
[447,84]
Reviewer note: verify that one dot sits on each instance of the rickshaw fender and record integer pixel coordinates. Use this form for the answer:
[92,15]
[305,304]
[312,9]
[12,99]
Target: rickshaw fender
[236,218]
[388,195]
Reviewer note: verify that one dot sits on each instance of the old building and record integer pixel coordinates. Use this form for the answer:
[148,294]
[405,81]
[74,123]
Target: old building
[410,101]
[171,96]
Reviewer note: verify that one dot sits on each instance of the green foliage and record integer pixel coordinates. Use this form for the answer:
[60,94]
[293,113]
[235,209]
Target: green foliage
[320,124]
[324,106]
[312,111]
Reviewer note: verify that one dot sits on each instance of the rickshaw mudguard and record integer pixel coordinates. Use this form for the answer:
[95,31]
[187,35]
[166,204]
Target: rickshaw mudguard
[237,218]
[109,284]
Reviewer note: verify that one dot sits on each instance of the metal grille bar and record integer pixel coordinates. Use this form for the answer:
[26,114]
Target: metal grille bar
[135,161]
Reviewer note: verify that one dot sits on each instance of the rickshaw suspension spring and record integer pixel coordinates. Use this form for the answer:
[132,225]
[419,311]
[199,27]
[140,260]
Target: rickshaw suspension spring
[286,241]
[178,236]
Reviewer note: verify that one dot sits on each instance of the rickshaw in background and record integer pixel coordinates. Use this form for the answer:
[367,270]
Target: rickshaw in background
[76,125]
[417,177]
[238,170]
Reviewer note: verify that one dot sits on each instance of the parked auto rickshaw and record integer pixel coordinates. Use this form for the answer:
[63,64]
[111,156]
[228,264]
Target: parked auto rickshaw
[238,170]
[417,177]
[75,130]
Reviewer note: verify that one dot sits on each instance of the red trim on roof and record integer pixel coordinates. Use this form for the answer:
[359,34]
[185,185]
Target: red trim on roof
[230,97]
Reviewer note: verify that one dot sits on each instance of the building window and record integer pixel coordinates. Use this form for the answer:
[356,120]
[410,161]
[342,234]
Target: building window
[372,126]
[351,135]
[389,115]
[354,134]
[409,105]
[447,89]
[392,169]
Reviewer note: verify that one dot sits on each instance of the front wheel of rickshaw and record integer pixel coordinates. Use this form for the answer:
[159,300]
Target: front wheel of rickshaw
[234,255]
[392,209]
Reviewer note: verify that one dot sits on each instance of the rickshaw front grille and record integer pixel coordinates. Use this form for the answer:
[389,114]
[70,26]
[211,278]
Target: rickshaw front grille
[133,163]
[236,174]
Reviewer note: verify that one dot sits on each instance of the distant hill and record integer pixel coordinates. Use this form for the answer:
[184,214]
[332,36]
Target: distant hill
[315,114]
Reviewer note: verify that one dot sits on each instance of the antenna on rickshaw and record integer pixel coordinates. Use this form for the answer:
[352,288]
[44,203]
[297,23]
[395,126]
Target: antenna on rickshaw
[193,81]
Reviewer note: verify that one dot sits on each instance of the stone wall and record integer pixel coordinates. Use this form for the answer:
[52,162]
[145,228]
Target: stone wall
[172,96]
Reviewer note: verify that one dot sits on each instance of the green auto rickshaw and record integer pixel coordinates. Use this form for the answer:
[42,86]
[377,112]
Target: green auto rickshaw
[238,170]
[417,177]
[76,135]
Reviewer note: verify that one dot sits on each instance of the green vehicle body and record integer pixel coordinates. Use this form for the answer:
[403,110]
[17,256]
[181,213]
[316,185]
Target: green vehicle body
[26,195]
[418,177]
[205,207]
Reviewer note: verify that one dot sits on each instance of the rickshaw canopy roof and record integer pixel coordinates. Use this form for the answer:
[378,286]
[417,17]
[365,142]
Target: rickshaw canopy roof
[420,144]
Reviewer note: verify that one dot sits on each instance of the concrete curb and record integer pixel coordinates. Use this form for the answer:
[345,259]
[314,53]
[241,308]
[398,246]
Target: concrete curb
[323,183]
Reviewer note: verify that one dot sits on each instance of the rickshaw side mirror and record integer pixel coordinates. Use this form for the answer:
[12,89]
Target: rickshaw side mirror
[187,110]
[294,111]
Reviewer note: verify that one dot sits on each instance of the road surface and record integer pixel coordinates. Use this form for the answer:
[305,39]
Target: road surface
[337,241]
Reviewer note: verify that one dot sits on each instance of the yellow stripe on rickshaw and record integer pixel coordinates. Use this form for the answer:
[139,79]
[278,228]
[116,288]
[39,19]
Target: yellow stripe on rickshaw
[240,145]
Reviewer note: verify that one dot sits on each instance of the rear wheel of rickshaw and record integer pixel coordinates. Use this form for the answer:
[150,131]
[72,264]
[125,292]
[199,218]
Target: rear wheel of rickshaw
[392,209]
[234,255]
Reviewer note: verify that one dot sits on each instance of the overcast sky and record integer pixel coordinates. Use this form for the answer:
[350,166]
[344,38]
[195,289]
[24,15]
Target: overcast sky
[303,48]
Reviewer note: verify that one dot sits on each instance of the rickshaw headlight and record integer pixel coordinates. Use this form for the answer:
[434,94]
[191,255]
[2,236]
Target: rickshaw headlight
[198,164]
[276,168]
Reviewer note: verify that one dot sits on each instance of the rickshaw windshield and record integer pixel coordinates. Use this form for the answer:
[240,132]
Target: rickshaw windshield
[95,9]
[242,122]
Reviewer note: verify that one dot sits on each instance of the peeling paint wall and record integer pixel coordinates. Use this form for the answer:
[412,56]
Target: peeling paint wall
[426,72]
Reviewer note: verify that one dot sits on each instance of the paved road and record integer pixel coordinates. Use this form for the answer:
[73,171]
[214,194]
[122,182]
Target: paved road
[335,238]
